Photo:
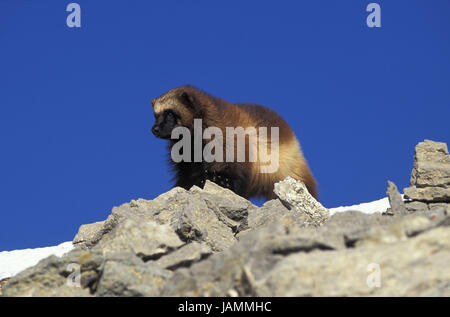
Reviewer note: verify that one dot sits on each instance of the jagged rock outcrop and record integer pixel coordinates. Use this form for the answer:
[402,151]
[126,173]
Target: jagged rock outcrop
[211,242]
[431,165]
[430,178]
[294,195]
[395,200]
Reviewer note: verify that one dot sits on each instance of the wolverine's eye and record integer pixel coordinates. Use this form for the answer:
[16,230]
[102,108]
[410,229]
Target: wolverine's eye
[170,114]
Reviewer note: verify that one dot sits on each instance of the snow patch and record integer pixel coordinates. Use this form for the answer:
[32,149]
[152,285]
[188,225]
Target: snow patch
[13,262]
[380,205]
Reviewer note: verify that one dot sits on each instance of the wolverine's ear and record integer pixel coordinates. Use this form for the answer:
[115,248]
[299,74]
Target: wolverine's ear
[187,99]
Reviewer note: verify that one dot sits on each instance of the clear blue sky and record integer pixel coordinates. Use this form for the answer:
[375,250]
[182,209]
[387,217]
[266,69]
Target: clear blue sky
[75,112]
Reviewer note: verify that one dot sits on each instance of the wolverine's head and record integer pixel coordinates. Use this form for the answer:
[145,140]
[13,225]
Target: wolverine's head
[173,109]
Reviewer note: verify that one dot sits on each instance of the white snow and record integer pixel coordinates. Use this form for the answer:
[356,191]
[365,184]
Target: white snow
[380,205]
[13,262]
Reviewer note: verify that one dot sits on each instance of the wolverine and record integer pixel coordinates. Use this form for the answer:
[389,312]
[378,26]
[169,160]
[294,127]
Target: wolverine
[189,108]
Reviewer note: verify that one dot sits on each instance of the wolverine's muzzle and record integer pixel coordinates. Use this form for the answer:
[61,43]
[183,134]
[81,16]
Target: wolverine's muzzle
[164,124]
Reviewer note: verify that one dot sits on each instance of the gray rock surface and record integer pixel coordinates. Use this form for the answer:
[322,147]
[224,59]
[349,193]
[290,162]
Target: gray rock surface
[431,165]
[184,256]
[273,211]
[211,242]
[89,234]
[2,283]
[414,206]
[395,200]
[146,239]
[120,278]
[273,261]
[294,195]
[430,178]
[428,194]
[415,267]
[440,206]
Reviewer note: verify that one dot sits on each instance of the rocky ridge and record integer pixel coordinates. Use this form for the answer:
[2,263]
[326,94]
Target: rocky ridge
[211,242]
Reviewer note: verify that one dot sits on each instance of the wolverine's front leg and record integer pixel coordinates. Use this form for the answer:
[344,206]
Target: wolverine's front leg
[190,174]
[235,181]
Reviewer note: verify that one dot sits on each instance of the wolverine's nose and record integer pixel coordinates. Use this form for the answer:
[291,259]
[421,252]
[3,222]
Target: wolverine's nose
[155,130]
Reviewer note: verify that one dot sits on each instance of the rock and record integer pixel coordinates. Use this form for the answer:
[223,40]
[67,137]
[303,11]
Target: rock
[428,194]
[395,200]
[437,213]
[147,240]
[430,177]
[225,271]
[431,165]
[2,283]
[184,257]
[88,235]
[347,236]
[191,216]
[294,195]
[272,262]
[445,207]
[416,206]
[415,267]
[139,279]
[230,208]
[193,220]
[230,204]
[399,230]
[273,211]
